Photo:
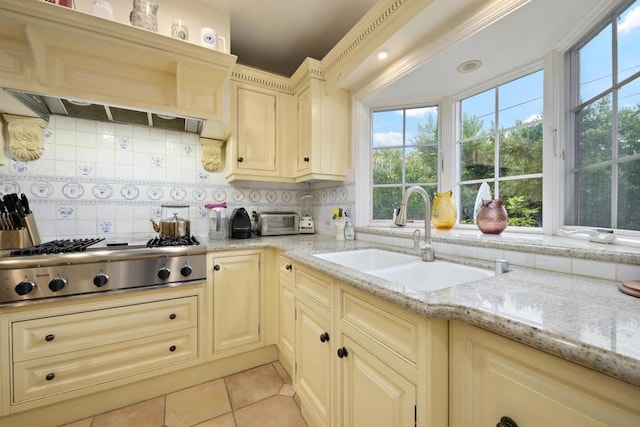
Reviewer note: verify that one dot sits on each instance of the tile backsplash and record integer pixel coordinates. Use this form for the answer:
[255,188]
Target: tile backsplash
[108,180]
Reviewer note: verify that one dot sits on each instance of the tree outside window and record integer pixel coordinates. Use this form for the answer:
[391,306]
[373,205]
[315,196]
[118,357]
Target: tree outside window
[404,153]
[500,142]
[604,179]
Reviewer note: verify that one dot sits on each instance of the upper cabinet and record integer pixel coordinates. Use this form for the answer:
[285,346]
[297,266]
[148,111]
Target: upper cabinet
[287,130]
[57,51]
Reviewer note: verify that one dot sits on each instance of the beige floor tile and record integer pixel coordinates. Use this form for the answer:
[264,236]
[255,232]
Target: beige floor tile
[82,423]
[226,420]
[255,384]
[276,411]
[287,390]
[282,372]
[149,413]
[196,404]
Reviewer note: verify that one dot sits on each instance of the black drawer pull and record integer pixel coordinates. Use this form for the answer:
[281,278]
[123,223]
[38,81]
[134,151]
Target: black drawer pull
[172,316]
[506,422]
[289,267]
[172,348]
[342,352]
[324,337]
[49,338]
[50,376]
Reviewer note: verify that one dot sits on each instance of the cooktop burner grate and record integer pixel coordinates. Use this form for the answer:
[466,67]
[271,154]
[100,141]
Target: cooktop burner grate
[57,247]
[158,242]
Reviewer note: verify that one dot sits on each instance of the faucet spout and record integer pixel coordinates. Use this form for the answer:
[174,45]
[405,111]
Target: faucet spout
[426,249]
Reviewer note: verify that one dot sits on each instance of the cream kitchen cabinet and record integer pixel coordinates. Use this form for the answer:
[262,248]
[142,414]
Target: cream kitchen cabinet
[322,127]
[262,127]
[286,314]
[236,284]
[57,352]
[493,377]
[361,361]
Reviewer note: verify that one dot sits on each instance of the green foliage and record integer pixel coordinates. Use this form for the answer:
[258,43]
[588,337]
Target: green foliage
[520,213]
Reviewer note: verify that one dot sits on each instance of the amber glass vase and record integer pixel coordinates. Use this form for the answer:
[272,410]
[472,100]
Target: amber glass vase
[443,212]
[492,217]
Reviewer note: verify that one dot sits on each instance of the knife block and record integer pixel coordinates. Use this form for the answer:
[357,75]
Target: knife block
[23,237]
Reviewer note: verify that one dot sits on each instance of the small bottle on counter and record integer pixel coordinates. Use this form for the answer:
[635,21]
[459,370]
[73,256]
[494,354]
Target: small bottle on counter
[349,233]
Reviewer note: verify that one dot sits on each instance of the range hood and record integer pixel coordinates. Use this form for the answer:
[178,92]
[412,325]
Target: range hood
[43,106]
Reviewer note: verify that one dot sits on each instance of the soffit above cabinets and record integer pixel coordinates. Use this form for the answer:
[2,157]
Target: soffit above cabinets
[69,54]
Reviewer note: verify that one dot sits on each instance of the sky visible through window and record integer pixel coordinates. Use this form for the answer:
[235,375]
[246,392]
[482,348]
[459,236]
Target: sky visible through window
[388,126]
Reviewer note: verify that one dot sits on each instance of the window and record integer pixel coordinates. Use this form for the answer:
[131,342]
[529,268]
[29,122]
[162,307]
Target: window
[500,142]
[604,171]
[405,153]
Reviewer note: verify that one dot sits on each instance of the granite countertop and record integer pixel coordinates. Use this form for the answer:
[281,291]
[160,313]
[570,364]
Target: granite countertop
[581,319]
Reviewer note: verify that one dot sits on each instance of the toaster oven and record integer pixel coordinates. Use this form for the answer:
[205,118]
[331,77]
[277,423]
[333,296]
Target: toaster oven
[277,223]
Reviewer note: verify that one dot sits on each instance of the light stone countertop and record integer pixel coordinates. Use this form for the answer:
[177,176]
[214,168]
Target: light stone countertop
[581,319]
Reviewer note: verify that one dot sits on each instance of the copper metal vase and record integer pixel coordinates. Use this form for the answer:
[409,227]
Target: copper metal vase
[492,217]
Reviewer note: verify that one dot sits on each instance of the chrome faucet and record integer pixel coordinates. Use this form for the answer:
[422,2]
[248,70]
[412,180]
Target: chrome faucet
[425,249]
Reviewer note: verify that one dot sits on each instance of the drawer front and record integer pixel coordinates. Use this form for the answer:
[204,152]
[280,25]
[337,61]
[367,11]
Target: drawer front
[397,333]
[316,287]
[49,336]
[34,379]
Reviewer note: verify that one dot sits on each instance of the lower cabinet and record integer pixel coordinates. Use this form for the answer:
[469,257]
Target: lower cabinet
[60,351]
[494,379]
[236,301]
[361,361]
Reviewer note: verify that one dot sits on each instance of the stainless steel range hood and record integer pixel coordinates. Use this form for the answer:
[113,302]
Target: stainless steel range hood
[43,106]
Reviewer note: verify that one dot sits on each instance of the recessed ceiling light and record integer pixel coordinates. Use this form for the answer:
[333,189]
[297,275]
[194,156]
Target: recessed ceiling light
[469,66]
[383,54]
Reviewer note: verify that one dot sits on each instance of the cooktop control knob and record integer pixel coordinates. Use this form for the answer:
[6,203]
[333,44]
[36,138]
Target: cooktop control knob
[57,284]
[186,271]
[101,279]
[164,273]
[25,287]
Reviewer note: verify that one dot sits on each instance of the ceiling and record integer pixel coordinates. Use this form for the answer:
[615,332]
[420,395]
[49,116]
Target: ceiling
[277,35]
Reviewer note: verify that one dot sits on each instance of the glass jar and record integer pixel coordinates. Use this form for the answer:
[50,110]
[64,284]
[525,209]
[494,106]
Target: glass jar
[443,212]
[492,217]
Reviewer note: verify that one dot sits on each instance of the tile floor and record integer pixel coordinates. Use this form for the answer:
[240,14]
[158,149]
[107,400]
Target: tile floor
[260,397]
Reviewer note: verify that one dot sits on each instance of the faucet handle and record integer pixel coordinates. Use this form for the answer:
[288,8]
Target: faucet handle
[416,239]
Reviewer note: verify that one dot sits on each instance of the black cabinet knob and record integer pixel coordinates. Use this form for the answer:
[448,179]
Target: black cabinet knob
[289,267]
[240,159]
[306,159]
[172,348]
[324,337]
[216,267]
[172,316]
[50,376]
[186,271]
[24,287]
[49,338]
[506,422]
[57,284]
[342,352]
[163,273]
[100,280]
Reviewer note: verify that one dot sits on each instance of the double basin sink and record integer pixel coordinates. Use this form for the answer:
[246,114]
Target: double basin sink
[406,270]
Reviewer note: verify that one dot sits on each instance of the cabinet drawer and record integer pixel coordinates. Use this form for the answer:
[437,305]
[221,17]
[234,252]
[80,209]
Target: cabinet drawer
[398,333]
[316,287]
[101,365]
[49,336]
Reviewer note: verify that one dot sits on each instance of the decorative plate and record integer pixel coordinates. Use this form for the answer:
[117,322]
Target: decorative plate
[237,196]
[178,193]
[344,194]
[219,195]
[199,194]
[41,189]
[8,187]
[130,192]
[155,193]
[255,196]
[286,196]
[333,195]
[73,190]
[271,196]
[102,191]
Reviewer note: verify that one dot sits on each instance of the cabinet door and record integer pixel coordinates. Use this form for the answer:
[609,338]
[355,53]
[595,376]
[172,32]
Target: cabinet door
[256,131]
[236,301]
[492,377]
[313,363]
[305,131]
[372,394]
[286,320]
